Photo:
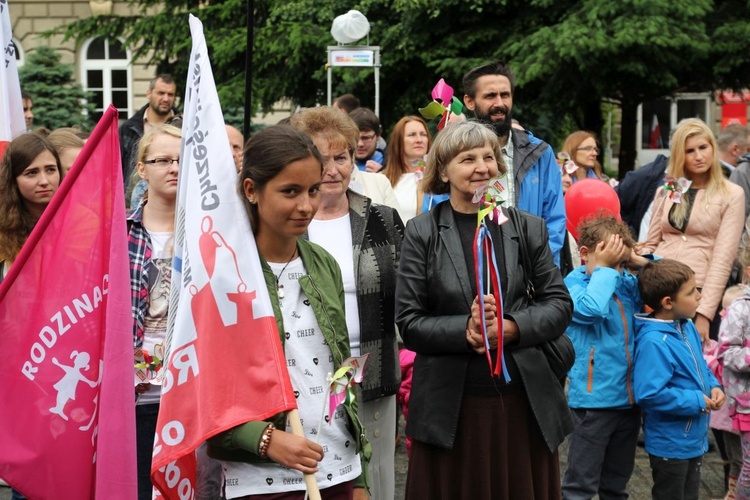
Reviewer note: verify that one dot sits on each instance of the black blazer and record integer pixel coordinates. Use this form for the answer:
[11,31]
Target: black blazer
[433,302]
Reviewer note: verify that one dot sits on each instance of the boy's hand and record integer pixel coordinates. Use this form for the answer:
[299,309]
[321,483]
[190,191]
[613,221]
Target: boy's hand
[635,261]
[612,253]
[709,404]
[373,166]
[716,401]
[718,398]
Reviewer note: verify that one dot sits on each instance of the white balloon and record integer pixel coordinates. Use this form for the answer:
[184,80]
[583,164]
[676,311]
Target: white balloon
[350,27]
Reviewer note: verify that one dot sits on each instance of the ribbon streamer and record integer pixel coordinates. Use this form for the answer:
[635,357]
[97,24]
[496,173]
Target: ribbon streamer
[484,254]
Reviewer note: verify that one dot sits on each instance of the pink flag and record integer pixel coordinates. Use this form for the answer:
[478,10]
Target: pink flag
[68,427]
[225,365]
[12,122]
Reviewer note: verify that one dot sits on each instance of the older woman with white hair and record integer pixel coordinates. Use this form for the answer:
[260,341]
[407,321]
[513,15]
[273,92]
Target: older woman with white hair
[475,435]
[365,239]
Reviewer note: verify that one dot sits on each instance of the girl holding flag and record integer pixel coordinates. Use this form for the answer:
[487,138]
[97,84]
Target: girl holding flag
[475,435]
[280,182]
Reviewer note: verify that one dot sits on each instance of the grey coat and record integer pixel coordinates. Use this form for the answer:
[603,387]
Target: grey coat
[377,232]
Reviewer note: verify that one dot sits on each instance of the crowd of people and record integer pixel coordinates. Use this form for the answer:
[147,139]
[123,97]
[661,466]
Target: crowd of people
[375,247]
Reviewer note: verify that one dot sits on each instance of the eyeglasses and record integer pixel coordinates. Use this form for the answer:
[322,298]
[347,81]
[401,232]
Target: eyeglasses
[366,138]
[163,162]
[589,149]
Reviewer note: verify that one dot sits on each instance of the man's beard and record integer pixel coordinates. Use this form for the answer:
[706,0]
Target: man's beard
[160,112]
[502,127]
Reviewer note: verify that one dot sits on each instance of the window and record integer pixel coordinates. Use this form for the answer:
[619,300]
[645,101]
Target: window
[105,72]
[20,54]
[657,118]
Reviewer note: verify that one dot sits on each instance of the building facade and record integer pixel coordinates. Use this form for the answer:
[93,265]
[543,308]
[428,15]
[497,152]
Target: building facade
[103,66]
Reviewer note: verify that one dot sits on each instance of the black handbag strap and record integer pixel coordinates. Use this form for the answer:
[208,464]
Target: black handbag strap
[524,251]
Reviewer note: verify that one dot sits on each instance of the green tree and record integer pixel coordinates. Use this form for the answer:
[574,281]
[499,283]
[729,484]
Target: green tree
[570,56]
[58,101]
[630,51]
[160,36]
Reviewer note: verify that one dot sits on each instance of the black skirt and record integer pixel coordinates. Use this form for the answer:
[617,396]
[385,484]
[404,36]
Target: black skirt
[498,454]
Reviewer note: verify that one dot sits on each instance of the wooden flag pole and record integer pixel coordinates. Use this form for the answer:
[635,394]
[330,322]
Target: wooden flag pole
[296,424]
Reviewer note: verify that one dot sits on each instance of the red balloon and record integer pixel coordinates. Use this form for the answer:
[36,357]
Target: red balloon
[589,197]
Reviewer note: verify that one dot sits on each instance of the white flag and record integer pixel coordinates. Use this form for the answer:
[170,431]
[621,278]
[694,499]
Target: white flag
[12,123]
[225,364]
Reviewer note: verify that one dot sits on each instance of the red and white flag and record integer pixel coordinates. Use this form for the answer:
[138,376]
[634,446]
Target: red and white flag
[12,123]
[68,427]
[225,364]
[655,141]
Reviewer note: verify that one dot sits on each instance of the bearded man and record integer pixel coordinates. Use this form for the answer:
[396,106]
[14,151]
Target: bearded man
[534,180]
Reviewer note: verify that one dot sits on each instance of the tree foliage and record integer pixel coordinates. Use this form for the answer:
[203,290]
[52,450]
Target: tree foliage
[58,101]
[569,55]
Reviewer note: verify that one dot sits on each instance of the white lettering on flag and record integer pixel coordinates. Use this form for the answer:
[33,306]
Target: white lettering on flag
[12,123]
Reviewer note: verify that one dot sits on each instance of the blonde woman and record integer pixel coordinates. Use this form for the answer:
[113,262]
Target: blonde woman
[702,227]
[150,244]
[365,239]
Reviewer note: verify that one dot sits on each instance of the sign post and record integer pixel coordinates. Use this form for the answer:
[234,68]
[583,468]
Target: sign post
[355,56]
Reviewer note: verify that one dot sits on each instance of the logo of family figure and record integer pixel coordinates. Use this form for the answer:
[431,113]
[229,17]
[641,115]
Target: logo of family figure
[67,386]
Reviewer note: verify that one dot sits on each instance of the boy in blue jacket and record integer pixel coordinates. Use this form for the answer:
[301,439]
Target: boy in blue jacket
[673,383]
[601,453]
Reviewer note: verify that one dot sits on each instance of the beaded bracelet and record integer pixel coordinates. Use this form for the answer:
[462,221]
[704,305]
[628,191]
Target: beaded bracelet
[265,440]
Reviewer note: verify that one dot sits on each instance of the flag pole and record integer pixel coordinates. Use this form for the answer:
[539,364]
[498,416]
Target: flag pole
[249,69]
[296,424]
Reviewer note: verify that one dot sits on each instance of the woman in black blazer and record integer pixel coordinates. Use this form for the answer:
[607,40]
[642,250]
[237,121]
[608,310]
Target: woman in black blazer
[478,436]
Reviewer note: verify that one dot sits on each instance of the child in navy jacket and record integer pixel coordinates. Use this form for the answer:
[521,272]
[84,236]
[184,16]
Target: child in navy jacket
[673,383]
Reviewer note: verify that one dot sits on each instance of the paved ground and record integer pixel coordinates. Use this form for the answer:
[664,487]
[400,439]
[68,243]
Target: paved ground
[712,482]
[712,475]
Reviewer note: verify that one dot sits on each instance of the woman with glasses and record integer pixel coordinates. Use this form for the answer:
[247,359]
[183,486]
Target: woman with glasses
[582,148]
[407,150]
[150,245]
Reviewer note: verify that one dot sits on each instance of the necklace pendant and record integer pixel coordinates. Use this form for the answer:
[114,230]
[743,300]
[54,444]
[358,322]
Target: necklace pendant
[280,291]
